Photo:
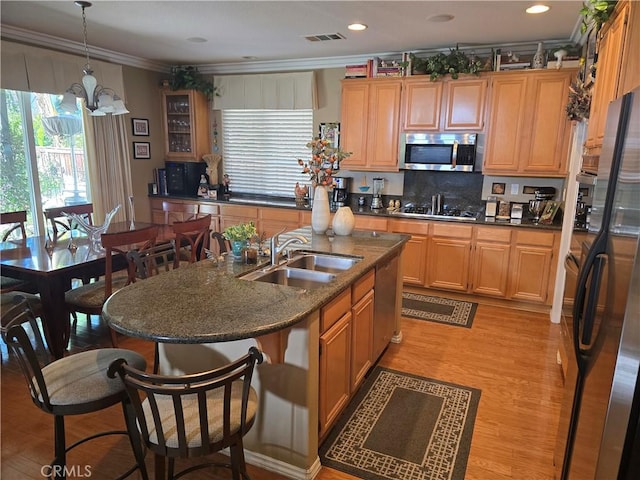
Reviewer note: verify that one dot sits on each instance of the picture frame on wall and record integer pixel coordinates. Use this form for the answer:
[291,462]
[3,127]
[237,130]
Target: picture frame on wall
[140,127]
[331,132]
[141,150]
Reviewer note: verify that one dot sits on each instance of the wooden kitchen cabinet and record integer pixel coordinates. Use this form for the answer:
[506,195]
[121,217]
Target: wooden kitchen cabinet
[449,254]
[492,248]
[414,255]
[527,127]
[370,118]
[362,328]
[531,265]
[371,223]
[606,87]
[335,363]
[447,105]
[235,214]
[464,104]
[185,115]
[273,220]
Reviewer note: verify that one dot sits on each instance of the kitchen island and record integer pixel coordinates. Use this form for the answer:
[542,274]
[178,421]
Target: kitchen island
[206,315]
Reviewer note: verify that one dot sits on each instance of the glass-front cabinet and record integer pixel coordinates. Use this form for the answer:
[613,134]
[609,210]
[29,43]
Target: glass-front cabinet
[186,124]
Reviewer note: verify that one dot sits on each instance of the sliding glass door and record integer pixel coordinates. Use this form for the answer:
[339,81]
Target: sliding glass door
[42,156]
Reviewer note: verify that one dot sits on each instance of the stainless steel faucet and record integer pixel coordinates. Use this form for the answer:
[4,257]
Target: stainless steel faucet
[277,249]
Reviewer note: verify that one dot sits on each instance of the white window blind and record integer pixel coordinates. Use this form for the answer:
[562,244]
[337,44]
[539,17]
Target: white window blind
[261,148]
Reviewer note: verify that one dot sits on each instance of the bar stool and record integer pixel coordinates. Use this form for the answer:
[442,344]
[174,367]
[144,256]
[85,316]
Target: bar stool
[73,385]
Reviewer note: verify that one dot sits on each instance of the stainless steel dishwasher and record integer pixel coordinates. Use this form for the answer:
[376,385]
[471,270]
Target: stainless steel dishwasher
[384,310]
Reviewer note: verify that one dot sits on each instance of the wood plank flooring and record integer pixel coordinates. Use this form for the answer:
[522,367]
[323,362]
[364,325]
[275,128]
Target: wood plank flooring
[509,354]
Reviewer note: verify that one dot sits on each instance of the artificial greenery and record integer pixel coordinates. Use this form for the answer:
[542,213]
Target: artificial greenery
[579,101]
[189,78]
[240,232]
[595,12]
[453,63]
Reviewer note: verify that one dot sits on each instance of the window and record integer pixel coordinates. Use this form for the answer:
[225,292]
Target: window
[42,160]
[261,148]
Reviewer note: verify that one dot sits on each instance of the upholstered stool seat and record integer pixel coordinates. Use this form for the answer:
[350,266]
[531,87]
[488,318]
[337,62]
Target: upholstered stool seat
[8,300]
[90,297]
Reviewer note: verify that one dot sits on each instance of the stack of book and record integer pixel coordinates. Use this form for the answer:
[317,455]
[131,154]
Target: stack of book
[160,179]
[356,71]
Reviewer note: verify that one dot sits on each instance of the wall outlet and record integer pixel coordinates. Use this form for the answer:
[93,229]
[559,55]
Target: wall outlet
[514,188]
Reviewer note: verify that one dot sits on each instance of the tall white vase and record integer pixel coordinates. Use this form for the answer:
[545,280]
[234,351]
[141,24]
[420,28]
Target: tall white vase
[320,214]
[343,221]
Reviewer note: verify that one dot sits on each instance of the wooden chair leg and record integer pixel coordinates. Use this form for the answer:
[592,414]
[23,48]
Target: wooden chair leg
[114,338]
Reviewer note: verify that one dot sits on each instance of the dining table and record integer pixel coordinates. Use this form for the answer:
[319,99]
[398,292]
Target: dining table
[52,265]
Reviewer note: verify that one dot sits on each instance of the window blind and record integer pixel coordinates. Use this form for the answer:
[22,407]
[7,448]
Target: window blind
[261,149]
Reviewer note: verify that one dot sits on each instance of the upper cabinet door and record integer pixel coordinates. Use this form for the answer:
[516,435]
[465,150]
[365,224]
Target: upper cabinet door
[421,104]
[505,129]
[353,126]
[384,122]
[186,124]
[464,104]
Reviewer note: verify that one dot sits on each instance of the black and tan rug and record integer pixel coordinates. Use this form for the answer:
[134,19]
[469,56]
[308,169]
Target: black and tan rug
[402,426]
[438,309]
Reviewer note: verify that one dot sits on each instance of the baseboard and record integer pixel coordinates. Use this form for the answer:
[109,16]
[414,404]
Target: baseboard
[282,468]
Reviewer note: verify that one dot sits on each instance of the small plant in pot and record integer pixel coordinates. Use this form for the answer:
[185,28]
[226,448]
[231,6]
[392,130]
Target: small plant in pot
[239,236]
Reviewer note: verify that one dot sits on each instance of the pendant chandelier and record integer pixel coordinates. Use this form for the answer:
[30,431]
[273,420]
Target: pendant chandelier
[99,100]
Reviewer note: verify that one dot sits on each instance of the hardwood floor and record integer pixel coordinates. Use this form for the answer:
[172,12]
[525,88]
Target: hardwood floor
[509,354]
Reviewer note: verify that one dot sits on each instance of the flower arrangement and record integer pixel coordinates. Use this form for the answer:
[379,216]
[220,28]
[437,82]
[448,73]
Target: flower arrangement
[325,160]
[579,101]
[240,232]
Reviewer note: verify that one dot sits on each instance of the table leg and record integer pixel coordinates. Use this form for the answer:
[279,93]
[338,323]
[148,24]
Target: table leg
[55,315]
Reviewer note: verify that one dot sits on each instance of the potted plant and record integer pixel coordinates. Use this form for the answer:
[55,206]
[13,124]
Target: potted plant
[239,236]
[189,78]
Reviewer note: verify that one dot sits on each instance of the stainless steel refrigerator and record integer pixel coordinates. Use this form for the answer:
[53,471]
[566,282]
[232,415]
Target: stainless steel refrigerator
[599,433]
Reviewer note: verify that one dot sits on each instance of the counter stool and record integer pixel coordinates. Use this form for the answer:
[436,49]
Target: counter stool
[73,385]
[194,415]
[191,239]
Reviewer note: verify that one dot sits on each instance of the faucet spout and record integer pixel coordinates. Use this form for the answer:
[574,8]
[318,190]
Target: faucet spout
[277,248]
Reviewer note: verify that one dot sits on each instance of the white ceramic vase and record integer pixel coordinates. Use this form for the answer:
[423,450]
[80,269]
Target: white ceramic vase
[320,214]
[343,221]
[538,58]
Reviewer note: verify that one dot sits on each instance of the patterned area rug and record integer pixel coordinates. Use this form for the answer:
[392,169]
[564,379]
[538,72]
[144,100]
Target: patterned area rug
[401,426]
[438,309]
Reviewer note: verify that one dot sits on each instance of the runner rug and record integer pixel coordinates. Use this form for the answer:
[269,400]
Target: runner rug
[402,426]
[438,309]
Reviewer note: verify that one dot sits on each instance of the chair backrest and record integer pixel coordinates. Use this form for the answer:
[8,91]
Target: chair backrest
[29,348]
[57,220]
[193,237]
[152,260]
[221,242]
[178,397]
[179,212]
[122,243]
[17,221]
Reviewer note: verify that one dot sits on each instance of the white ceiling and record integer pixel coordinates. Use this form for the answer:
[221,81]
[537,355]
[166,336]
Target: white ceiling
[273,31]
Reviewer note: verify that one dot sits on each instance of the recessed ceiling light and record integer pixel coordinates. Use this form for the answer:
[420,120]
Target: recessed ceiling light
[445,17]
[357,27]
[249,57]
[537,9]
[197,40]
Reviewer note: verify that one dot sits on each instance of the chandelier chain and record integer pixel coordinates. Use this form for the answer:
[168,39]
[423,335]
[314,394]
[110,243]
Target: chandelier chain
[84,32]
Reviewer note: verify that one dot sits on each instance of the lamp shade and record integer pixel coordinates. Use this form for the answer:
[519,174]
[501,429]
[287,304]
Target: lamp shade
[68,104]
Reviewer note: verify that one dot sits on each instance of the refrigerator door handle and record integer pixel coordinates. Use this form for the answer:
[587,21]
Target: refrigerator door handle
[592,300]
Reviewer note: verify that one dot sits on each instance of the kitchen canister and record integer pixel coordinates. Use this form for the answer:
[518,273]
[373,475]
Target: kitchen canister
[343,221]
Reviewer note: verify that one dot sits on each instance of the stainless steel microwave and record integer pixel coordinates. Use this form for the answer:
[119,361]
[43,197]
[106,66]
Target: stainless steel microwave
[449,152]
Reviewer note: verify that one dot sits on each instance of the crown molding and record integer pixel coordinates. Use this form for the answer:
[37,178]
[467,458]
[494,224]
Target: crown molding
[67,46]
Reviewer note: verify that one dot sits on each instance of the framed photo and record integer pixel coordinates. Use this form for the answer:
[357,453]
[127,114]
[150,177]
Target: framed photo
[331,132]
[498,188]
[141,150]
[549,212]
[140,127]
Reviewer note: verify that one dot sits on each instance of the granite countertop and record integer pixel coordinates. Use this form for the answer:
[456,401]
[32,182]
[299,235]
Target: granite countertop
[261,200]
[204,302]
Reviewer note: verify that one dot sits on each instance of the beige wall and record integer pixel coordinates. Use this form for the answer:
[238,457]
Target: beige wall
[144,101]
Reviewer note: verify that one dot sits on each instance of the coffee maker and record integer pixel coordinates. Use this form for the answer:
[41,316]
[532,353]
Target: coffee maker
[341,191]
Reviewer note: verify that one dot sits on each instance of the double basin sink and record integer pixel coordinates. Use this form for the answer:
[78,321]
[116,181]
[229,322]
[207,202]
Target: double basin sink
[305,270]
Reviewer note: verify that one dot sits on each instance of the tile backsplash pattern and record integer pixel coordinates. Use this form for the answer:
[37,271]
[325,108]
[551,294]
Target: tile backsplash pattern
[461,191]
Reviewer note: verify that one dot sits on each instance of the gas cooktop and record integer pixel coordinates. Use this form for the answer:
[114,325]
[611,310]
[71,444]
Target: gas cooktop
[425,212]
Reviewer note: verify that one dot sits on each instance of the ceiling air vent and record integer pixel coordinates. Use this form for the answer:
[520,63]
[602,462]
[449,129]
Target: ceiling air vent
[325,37]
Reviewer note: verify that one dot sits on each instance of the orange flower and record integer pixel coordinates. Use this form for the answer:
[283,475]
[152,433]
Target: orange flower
[325,160]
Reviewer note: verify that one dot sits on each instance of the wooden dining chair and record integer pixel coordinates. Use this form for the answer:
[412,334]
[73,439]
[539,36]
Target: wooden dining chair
[178,212]
[15,230]
[191,239]
[194,415]
[73,385]
[60,223]
[90,298]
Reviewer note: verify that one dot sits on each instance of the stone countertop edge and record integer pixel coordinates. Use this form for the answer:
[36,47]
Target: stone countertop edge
[205,303]
[481,219]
